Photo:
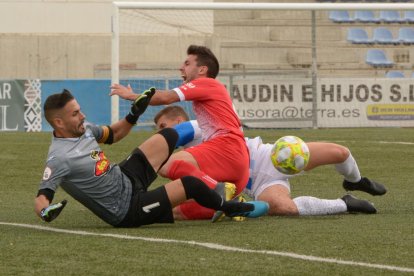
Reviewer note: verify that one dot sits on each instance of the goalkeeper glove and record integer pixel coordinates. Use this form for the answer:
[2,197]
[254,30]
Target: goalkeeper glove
[140,105]
[50,213]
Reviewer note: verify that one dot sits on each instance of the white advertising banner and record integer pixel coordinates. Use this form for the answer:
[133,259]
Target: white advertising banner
[268,101]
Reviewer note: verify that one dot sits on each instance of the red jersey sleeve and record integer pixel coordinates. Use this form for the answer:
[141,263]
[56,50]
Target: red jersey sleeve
[199,89]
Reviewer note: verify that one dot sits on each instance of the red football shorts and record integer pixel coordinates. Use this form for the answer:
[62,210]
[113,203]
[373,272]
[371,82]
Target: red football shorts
[223,158]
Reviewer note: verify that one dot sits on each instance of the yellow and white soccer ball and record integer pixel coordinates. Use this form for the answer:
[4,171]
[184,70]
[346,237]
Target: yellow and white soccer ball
[290,155]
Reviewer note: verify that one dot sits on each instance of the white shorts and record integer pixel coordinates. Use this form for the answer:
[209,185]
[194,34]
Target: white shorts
[262,172]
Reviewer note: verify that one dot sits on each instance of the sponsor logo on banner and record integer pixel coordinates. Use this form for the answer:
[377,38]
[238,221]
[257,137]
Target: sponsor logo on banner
[390,112]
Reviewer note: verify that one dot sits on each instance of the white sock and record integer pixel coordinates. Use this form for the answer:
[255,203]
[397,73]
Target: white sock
[349,169]
[312,206]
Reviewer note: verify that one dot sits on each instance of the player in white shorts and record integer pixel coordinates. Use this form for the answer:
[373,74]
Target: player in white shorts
[268,184]
[262,172]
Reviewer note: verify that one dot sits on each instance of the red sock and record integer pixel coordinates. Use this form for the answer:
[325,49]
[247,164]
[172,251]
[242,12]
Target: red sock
[180,168]
[191,210]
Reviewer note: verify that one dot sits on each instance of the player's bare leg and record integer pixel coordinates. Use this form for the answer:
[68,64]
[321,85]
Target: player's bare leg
[280,202]
[176,193]
[330,153]
[156,150]
[325,154]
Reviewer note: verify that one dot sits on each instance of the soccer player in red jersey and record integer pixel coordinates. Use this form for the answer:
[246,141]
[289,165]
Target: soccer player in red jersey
[223,155]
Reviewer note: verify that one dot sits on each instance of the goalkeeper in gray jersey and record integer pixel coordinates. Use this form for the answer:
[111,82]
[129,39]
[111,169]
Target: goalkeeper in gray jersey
[118,193]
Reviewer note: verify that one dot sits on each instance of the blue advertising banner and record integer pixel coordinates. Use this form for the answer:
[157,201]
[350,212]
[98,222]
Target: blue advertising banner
[21,101]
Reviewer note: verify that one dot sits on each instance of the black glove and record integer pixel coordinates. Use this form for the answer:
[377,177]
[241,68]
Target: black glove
[140,105]
[50,213]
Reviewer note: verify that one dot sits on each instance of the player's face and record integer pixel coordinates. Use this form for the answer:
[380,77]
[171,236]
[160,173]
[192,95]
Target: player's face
[190,70]
[164,122]
[72,120]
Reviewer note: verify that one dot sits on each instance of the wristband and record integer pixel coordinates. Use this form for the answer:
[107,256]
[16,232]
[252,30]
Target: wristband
[132,119]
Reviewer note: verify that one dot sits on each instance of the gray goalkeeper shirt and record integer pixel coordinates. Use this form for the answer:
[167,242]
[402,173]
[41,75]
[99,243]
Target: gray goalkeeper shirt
[81,168]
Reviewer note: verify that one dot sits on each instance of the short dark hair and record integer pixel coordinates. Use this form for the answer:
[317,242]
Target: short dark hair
[172,111]
[205,57]
[55,102]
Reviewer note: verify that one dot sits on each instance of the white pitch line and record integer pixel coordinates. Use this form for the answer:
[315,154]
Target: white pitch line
[398,143]
[215,246]
[378,142]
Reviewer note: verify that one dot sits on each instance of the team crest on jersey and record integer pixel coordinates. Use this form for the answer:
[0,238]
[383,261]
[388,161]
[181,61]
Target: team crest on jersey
[102,163]
[190,85]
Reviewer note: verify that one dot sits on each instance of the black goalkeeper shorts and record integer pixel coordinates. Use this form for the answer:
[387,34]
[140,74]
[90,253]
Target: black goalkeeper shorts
[138,170]
[147,207]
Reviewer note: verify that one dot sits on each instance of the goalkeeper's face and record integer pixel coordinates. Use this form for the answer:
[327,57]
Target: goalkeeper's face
[70,121]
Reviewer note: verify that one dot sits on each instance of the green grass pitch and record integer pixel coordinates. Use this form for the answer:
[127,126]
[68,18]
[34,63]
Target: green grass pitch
[345,244]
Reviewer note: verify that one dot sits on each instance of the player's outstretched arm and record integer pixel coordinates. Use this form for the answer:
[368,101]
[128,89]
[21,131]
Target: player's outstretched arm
[48,212]
[40,202]
[125,92]
[161,97]
[121,128]
[165,97]
[140,104]
[138,107]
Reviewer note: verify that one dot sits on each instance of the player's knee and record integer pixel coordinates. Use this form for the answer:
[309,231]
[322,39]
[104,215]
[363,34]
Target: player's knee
[171,137]
[342,153]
